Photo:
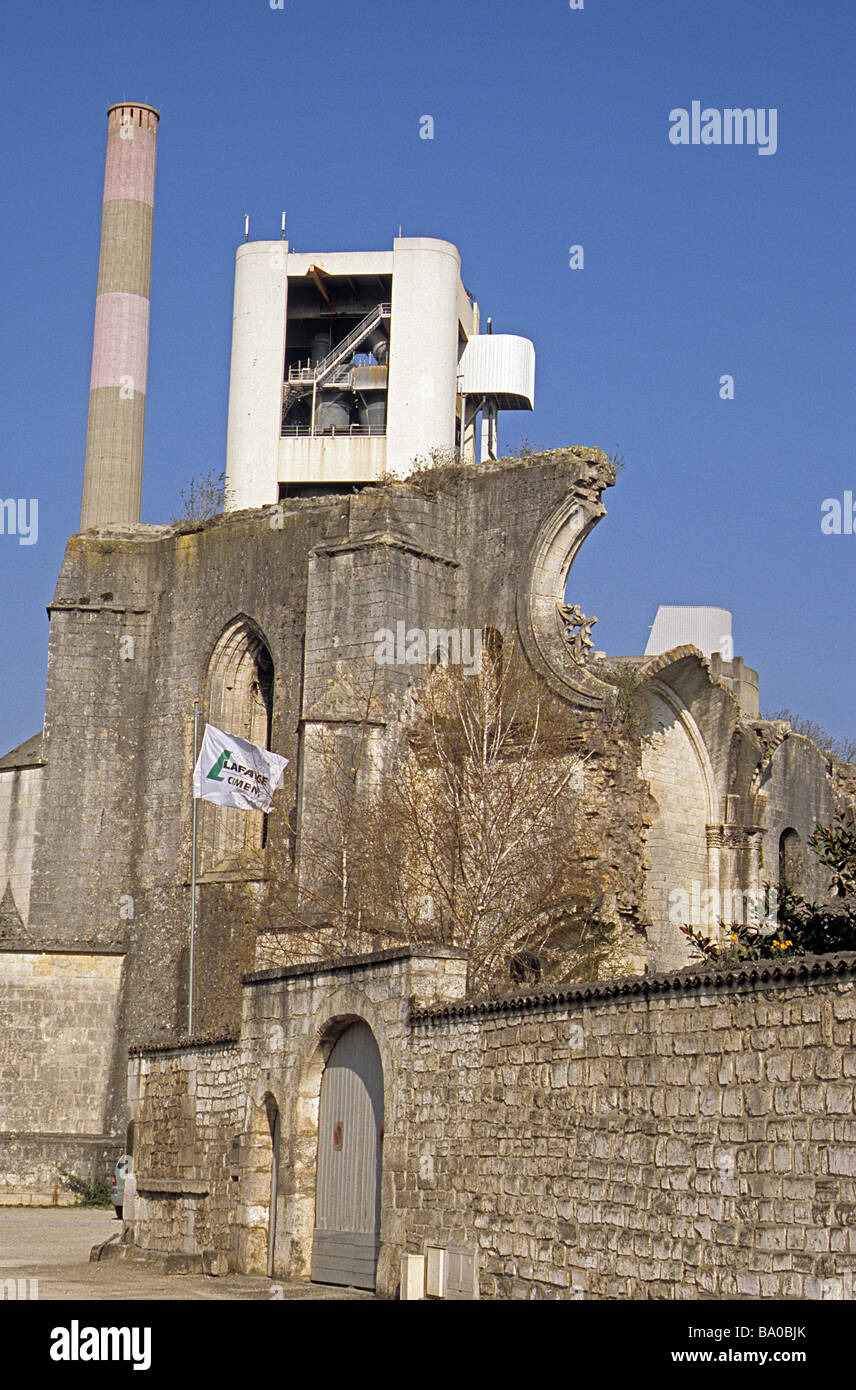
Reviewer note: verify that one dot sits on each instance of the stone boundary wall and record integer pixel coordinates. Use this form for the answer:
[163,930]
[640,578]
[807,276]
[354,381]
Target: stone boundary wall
[688,1137]
[58,1064]
[684,1136]
[31,1165]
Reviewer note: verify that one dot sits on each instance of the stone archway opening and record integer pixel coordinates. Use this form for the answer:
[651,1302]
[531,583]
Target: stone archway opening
[239,699]
[344,1045]
[274,1120]
[261,1162]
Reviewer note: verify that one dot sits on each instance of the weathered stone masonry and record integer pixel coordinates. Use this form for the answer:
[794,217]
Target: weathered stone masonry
[678,1136]
[138,626]
[56,1066]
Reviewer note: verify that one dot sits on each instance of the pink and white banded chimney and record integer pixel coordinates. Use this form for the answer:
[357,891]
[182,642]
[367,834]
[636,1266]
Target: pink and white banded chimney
[113,470]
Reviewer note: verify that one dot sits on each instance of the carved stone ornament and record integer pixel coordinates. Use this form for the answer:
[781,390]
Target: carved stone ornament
[576,630]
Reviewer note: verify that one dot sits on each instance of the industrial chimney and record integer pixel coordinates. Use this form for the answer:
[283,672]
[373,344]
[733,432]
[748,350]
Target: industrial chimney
[113,470]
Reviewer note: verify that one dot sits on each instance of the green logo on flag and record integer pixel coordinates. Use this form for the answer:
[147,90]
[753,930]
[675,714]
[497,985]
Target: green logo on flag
[214,774]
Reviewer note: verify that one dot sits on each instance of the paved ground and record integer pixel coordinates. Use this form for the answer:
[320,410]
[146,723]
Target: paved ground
[52,1245]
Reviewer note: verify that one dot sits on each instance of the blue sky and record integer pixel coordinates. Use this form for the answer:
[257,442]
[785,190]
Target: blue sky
[551,130]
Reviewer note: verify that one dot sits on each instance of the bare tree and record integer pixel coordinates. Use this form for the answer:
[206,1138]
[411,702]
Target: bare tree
[204,497]
[474,838]
[843,748]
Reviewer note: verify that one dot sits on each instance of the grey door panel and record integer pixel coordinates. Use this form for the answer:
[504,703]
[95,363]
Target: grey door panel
[347,1198]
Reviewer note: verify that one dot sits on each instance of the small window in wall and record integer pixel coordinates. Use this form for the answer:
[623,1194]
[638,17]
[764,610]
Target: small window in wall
[791,864]
[239,700]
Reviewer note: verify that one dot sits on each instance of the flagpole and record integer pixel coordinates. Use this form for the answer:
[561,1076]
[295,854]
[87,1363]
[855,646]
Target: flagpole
[193,874]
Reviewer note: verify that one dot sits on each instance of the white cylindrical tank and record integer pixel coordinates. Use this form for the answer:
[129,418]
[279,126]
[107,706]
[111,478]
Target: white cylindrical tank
[501,365]
[677,625]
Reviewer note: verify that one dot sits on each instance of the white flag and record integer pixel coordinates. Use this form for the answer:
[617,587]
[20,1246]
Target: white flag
[234,772]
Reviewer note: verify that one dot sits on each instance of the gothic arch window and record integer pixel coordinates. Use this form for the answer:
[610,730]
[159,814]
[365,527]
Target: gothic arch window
[790,862]
[239,699]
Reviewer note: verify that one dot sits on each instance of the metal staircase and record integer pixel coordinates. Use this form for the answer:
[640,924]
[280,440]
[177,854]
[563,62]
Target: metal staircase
[303,379]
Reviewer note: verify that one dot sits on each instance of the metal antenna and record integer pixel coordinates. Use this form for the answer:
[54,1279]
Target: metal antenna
[246,226]
[283,226]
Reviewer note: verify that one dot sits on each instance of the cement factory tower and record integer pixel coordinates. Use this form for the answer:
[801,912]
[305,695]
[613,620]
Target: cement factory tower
[113,471]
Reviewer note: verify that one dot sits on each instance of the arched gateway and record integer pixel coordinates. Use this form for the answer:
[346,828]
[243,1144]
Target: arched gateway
[350,1137]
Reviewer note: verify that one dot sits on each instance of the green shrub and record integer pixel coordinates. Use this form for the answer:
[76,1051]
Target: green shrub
[631,710]
[90,1192]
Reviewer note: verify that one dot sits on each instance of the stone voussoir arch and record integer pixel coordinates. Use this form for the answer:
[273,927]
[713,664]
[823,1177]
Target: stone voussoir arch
[541,589]
[684,717]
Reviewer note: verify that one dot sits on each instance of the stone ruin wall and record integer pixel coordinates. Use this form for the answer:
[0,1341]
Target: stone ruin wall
[681,1136]
[173,590]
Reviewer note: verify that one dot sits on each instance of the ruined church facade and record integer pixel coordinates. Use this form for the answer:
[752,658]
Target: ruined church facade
[267,614]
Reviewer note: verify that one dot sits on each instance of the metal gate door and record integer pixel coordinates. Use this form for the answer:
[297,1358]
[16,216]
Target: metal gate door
[350,1133]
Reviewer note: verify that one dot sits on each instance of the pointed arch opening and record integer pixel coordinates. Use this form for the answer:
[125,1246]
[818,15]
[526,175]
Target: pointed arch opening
[239,700]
